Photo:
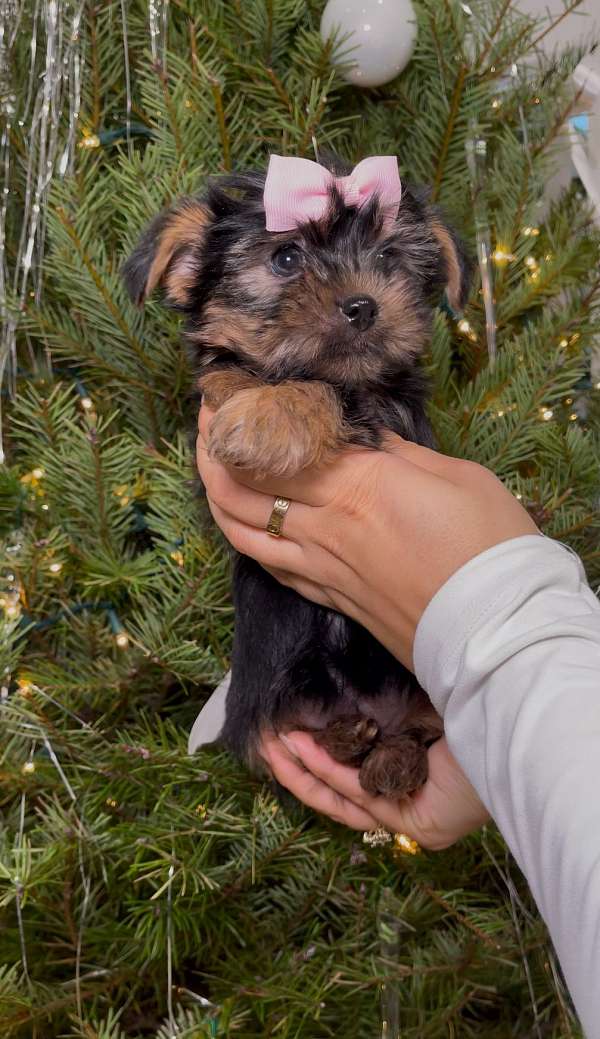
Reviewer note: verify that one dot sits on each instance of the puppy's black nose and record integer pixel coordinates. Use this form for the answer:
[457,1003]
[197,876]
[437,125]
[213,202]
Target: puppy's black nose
[361,311]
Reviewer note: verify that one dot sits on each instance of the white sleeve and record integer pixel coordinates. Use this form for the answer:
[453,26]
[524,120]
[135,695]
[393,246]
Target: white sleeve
[509,653]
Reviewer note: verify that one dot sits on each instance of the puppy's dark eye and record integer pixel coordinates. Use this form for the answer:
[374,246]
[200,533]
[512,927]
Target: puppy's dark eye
[288,259]
[386,254]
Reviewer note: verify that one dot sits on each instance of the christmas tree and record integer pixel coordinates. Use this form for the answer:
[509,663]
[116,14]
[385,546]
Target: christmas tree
[144,892]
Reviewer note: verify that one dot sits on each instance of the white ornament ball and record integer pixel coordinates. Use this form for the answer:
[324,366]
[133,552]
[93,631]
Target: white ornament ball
[382,40]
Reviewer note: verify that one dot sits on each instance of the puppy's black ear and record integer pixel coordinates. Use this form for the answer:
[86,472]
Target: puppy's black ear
[169,253]
[457,265]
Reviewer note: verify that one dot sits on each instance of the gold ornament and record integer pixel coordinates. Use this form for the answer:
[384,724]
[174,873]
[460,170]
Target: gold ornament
[405,845]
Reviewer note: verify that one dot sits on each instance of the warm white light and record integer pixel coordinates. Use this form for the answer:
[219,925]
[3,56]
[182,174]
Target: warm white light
[502,256]
[37,473]
[28,767]
[547,414]
[55,568]
[122,640]
[87,403]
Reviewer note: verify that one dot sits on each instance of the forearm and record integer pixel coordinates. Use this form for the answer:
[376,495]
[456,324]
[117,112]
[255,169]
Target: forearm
[509,652]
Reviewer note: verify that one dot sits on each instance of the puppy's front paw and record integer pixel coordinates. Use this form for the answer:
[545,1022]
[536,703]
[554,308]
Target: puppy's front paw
[220,386]
[277,430]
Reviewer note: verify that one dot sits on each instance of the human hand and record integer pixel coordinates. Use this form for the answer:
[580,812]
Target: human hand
[445,809]
[374,534]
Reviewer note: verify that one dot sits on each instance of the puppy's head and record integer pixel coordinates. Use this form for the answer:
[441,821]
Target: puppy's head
[347,299]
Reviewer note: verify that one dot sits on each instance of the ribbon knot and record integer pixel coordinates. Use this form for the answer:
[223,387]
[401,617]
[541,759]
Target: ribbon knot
[298,190]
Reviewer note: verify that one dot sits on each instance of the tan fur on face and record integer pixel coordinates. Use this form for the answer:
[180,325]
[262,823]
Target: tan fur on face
[278,430]
[228,329]
[454,284]
[260,283]
[313,315]
[185,227]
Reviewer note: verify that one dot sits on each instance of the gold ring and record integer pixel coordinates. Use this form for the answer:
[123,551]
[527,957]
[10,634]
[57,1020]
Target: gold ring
[275,524]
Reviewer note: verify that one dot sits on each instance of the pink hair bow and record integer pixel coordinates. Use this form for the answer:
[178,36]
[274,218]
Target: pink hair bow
[297,190]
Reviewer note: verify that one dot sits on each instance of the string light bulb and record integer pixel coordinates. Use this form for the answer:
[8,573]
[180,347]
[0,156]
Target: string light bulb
[28,768]
[573,416]
[87,403]
[502,256]
[547,414]
[531,232]
[464,327]
[55,568]
[91,141]
[122,639]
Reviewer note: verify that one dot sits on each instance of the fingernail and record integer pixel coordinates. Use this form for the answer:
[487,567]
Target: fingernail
[289,743]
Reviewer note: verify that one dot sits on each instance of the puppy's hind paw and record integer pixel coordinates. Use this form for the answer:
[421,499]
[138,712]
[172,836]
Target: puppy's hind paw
[396,767]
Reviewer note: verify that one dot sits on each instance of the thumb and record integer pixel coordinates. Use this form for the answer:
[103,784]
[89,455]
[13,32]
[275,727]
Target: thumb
[417,455]
[448,806]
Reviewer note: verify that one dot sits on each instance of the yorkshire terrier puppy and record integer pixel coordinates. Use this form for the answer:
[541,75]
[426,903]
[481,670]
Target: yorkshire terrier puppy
[306,338]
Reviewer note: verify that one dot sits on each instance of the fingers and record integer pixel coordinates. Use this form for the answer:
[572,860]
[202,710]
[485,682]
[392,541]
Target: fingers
[271,552]
[311,790]
[344,782]
[429,817]
[314,487]
[249,506]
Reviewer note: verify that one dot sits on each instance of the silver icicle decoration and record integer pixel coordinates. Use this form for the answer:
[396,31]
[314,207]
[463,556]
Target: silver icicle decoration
[477,163]
[46,119]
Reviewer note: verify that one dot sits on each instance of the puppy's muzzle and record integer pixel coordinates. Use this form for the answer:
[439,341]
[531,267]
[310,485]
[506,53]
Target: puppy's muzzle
[360,311]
